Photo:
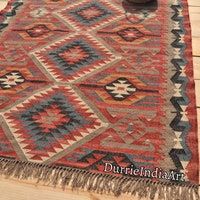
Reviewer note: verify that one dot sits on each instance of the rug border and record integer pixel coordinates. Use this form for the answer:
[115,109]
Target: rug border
[192,106]
[189,91]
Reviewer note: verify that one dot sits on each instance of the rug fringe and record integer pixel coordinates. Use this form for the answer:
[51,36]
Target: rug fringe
[94,182]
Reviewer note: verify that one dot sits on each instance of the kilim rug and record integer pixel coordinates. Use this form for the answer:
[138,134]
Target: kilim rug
[99,95]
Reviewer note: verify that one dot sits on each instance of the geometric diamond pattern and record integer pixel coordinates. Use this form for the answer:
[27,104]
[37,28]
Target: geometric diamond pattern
[130,34]
[120,89]
[88,15]
[86,82]
[38,30]
[126,37]
[11,80]
[73,57]
[50,121]
[19,81]
[117,87]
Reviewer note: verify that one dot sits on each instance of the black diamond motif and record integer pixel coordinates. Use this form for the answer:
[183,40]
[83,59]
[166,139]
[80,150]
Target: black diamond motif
[38,30]
[130,34]
[120,89]
[81,14]
[86,56]
[43,132]
[11,80]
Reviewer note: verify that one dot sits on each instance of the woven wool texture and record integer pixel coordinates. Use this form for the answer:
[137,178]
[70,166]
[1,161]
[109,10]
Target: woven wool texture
[85,83]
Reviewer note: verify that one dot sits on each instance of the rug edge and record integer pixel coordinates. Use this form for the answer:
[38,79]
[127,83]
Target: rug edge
[94,182]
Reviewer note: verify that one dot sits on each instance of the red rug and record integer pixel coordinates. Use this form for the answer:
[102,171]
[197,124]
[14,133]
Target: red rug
[99,94]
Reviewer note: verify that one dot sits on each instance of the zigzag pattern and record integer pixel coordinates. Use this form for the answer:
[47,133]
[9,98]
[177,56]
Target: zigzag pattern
[180,101]
[92,55]
[70,121]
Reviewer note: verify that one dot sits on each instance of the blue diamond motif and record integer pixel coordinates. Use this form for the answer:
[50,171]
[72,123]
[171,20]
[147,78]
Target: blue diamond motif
[73,56]
[42,136]
[101,13]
